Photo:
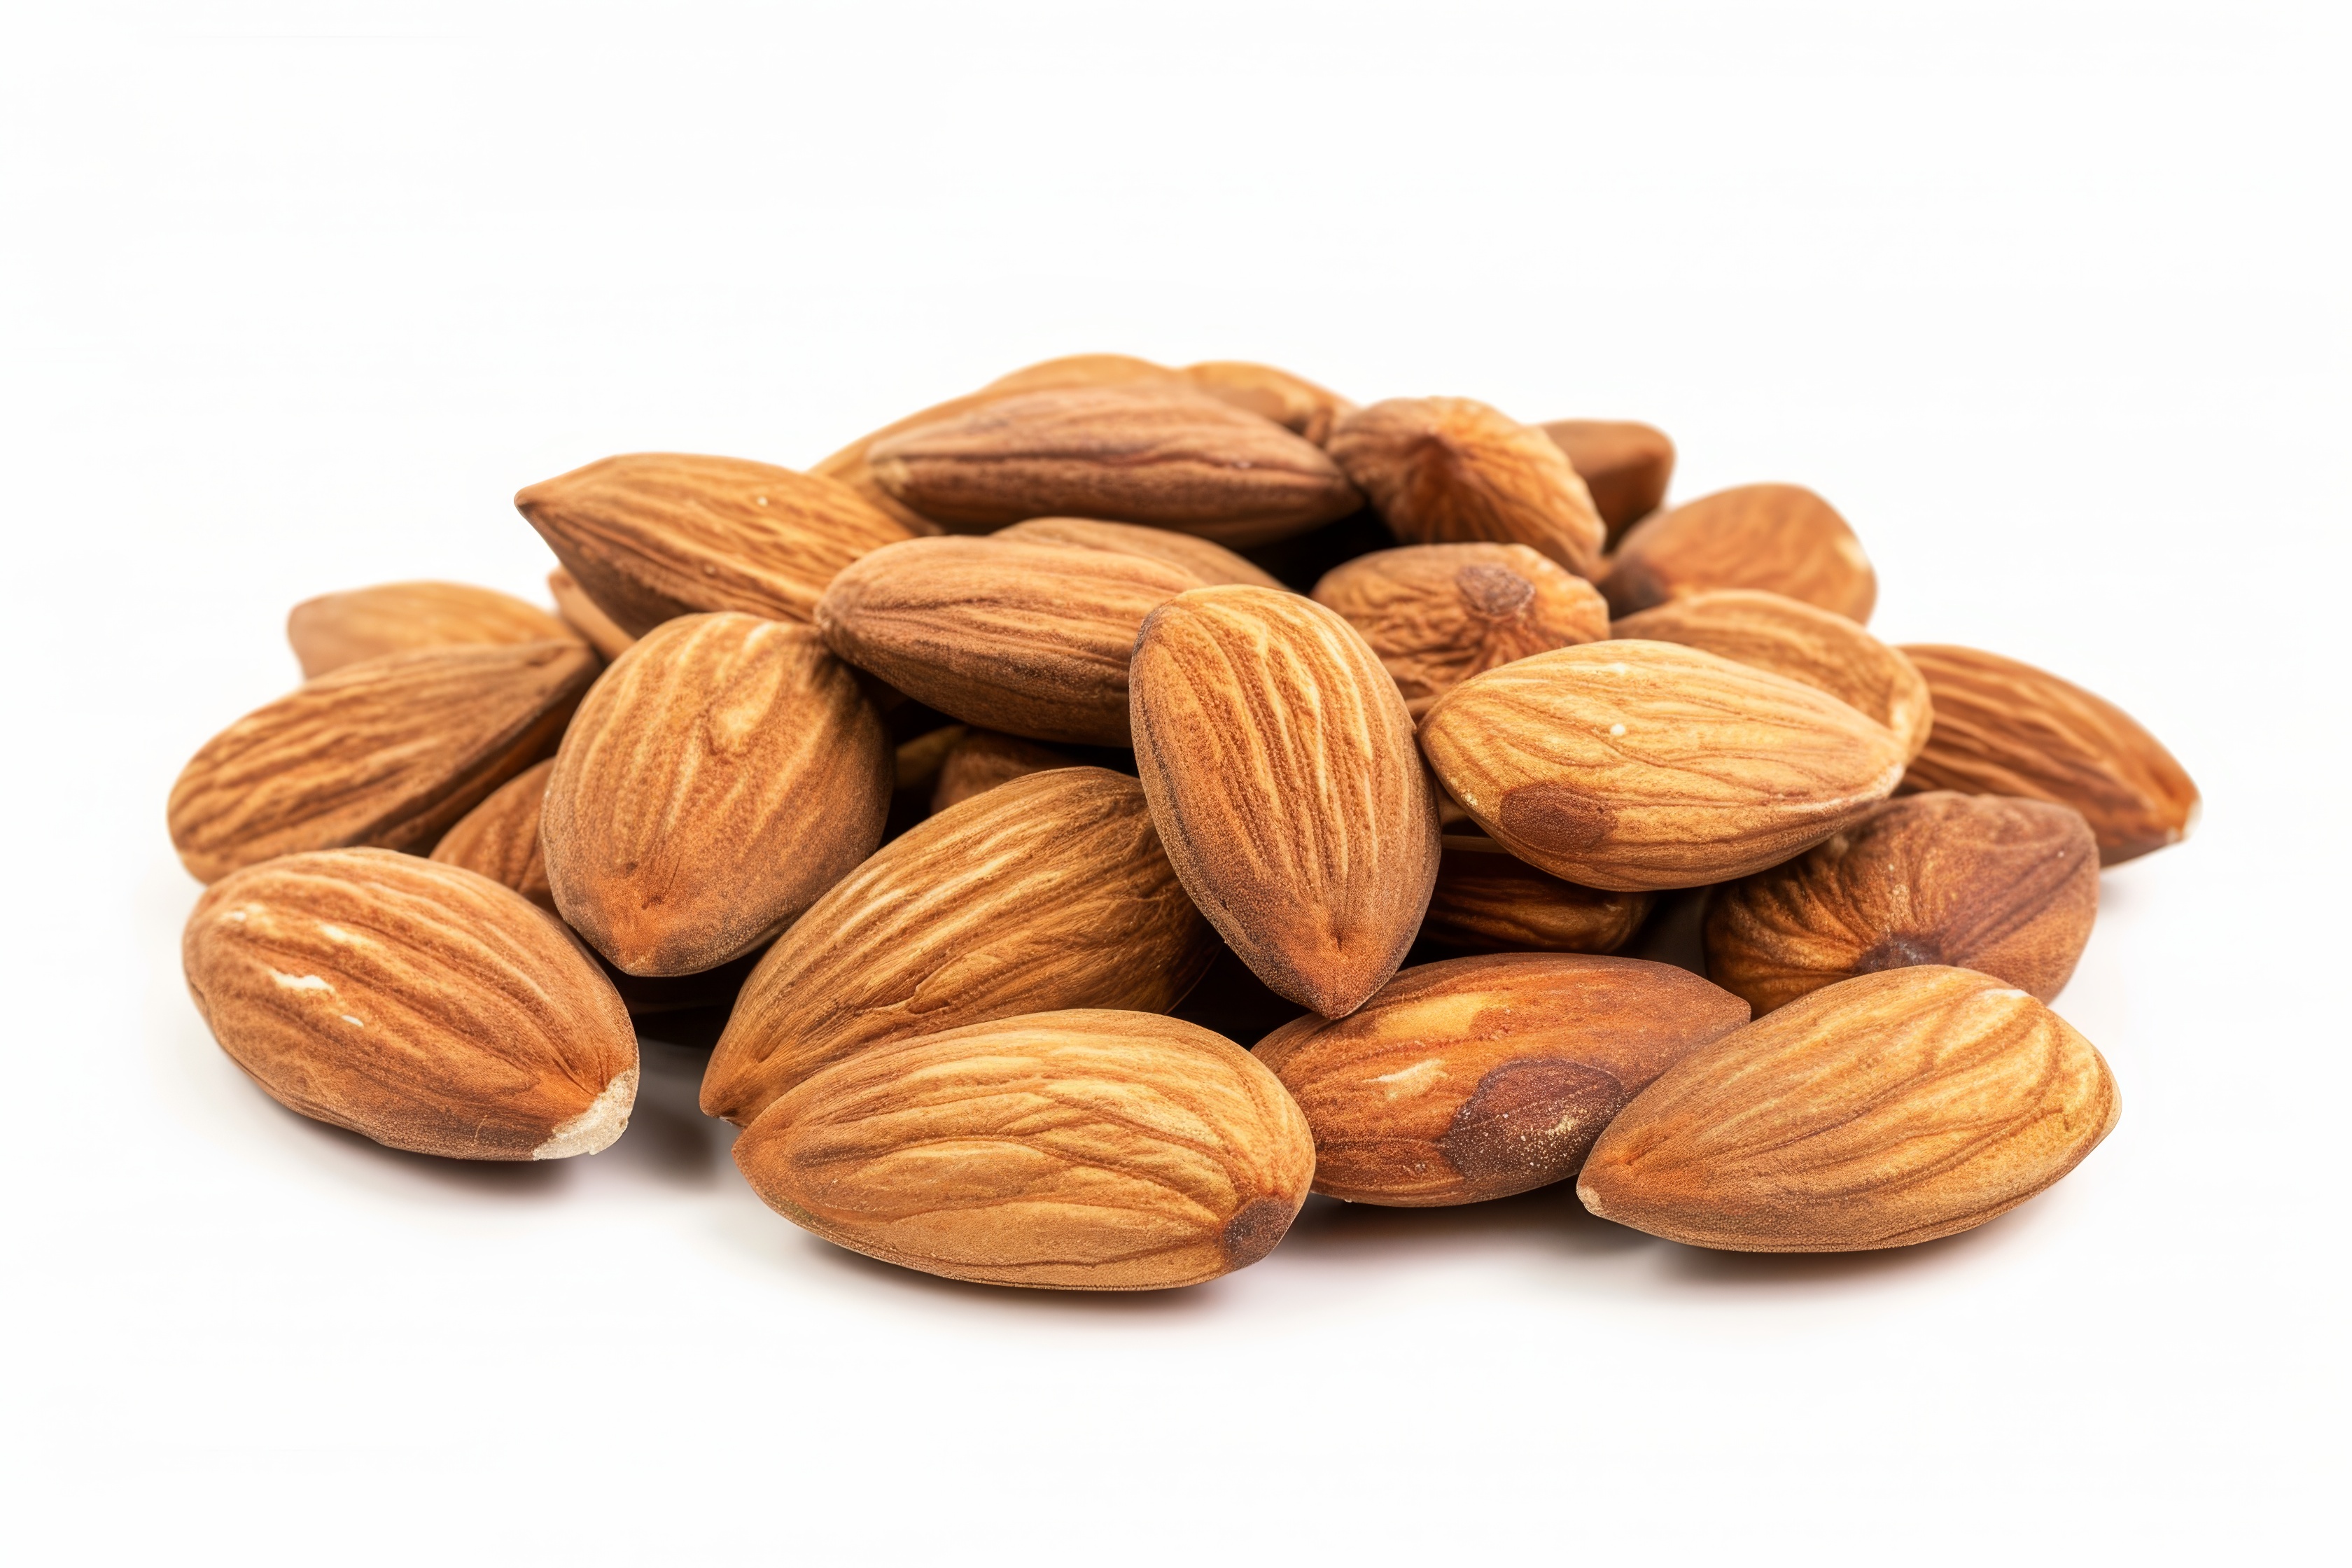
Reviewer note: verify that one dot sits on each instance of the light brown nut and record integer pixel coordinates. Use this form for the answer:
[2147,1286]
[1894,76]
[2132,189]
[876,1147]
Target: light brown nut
[1031,639]
[580,612]
[1478,1078]
[1048,892]
[1439,614]
[2003,727]
[1444,470]
[1801,641]
[1086,1150]
[1640,765]
[1624,464]
[1088,370]
[1212,563]
[657,534]
[1290,401]
[725,773]
[918,759]
[2001,886]
[336,630]
[1880,1111]
[1279,762]
[1783,539]
[1186,462]
[388,752]
[423,1006]
[500,837]
[1488,899]
[983,758]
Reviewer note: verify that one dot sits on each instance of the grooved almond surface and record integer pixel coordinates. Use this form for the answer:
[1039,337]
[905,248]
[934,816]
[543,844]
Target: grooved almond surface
[1488,899]
[389,752]
[1880,1111]
[983,758]
[1290,401]
[1211,562]
[421,1005]
[580,612]
[1783,539]
[1087,1149]
[1048,892]
[1624,464]
[500,837]
[336,630]
[724,773]
[1280,766]
[1447,470]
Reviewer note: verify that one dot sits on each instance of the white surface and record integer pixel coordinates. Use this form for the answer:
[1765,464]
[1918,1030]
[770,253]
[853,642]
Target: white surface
[2049,300]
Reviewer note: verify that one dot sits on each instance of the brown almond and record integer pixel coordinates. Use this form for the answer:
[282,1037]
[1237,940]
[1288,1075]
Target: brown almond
[1212,563]
[1290,401]
[336,630]
[1488,899]
[1443,471]
[1478,1078]
[1088,370]
[580,612]
[500,837]
[918,759]
[1783,539]
[983,758]
[420,1005]
[1625,465]
[1880,1111]
[1280,766]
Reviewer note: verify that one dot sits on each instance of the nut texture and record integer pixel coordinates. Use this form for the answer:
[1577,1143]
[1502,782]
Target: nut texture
[1633,764]
[2003,727]
[420,1005]
[1624,464]
[1488,899]
[724,773]
[1477,1078]
[389,752]
[982,759]
[1280,766]
[580,612]
[1438,614]
[1048,892]
[1783,539]
[1880,1111]
[1087,1149]
[1211,562]
[500,837]
[336,630]
[1290,401]
[1450,470]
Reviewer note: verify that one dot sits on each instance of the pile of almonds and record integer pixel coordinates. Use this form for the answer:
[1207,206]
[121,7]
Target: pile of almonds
[975,771]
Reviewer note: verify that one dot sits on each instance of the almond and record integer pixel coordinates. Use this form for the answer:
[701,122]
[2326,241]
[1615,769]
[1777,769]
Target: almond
[581,614]
[2003,727]
[724,773]
[1438,614]
[1625,465]
[1280,766]
[1635,764]
[1880,1111]
[918,761]
[388,752]
[336,630]
[1089,369]
[500,837]
[420,1005]
[1048,892]
[1087,1149]
[658,534]
[1031,639]
[1290,401]
[1783,539]
[1447,470]
[983,758]
[1787,637]
[1488,899]
[1212,563]
[2004,887]
[1478,1078]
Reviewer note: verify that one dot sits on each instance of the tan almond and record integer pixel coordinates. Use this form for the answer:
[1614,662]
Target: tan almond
[1212,563]
[580,612]
[336,630]
[983,758]
[1488,899]
[1626,465]
[1783,539]
[917,762]
[500,837]
[1880,1111]
[1444,470]
[1088,370]
[1290,401]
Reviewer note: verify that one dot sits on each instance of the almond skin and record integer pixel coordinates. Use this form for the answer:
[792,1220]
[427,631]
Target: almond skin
[725,773]
[1031,639]
[1186,462]
[2003,727]
[388,752]
[1880,1111]
[1625,465]
[1090,370]
[658,534]
[1048,892]
[1634,765]
[1439,614]
[1290,401]
[420,1005]
[1488,899]
[1447,470]
[336,630]
[2004,887]
[500,837]
[983,758]
[1801,641]
[1280,766]
[1087,1149]
[1783,539]
[1212,563]
[581,614]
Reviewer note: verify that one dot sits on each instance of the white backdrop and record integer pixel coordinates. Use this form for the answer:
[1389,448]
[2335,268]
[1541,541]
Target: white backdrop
[2050,299]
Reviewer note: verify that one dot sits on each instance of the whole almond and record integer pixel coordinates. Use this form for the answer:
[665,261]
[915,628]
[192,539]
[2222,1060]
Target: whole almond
[1880,1111]
[1488,899]
[1439,614]
[1046,892]
[388,752]
[1212,563]
[1783,539]
[580,612]
[1290,401]
[1801,641]
[336,630]
[500,837]
[1088,370]
[2003,727]
[423,1006]
[1635,764]
[983,758]
[2001,886]
[1087,1149]
[1478,1078]
[1624,464]
[724,773]
[1447,470]
[918,759]
[1280,766]
[657,534]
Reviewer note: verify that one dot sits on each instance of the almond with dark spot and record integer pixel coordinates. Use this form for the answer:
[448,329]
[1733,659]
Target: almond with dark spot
[336,630]
[1624,464]
[1446,470]
[1783,539]
[1488,899]
[500,837]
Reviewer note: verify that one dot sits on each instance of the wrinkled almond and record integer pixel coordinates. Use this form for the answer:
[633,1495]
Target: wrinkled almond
[1624,464]
[1783,539]
[1212,563]
[580,612]
[1444,470]
[336,630]
[982,759]
[500,837]
[1488,899]
[1290,401]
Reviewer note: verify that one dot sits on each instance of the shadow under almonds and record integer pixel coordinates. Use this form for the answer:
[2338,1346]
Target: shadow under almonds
[1548,1217]
[1190,1300]
[1705,1269]
[669,1136]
